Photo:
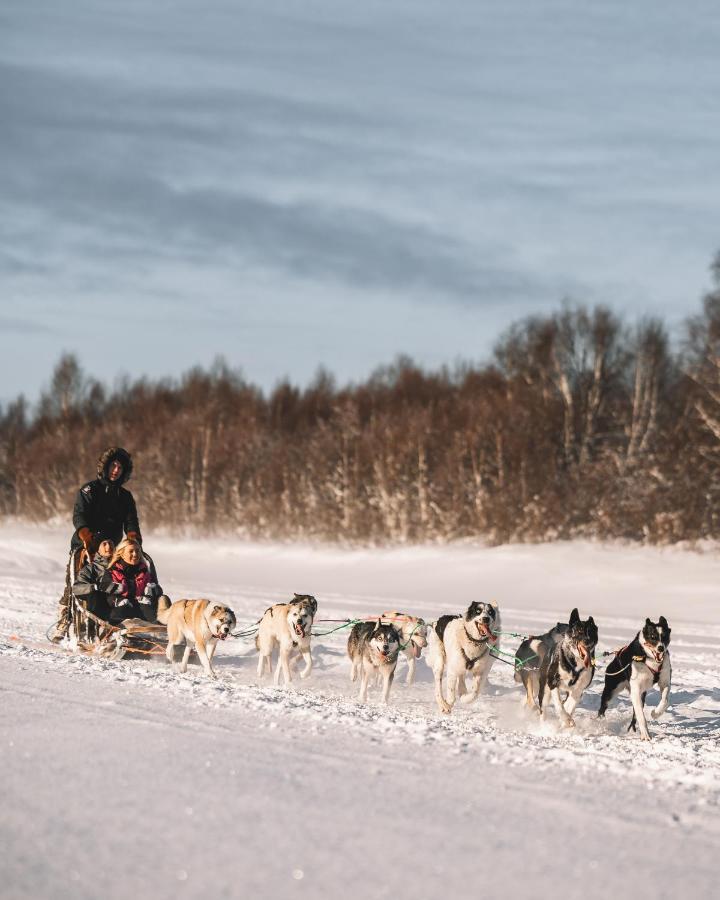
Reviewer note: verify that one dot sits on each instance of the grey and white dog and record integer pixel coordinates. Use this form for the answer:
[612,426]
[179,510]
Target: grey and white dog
[373,648]
[459,645]
[413,635]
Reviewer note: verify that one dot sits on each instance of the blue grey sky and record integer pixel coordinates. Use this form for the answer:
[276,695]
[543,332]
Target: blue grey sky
[333,183]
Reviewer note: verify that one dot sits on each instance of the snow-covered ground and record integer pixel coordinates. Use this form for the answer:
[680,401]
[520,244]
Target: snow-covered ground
[122,778]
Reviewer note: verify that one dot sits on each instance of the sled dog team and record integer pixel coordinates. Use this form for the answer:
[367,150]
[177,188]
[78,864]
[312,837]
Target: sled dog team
[557,665]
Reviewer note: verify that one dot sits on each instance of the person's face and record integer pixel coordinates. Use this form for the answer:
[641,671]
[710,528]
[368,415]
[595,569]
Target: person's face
[131,555]
[115,470]
[106,548]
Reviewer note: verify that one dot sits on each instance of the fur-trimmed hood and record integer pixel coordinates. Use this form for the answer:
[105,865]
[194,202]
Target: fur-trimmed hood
[110,455]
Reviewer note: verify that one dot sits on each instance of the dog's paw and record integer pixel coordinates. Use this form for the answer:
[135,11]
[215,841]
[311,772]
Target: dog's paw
[645,737]
[466,698]
[568,723]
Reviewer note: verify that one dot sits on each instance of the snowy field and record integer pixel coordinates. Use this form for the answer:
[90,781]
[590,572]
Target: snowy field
[123,779]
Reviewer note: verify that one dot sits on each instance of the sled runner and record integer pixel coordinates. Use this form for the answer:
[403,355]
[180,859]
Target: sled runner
[89,633]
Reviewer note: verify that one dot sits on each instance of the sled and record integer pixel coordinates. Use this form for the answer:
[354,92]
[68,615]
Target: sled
[89,633]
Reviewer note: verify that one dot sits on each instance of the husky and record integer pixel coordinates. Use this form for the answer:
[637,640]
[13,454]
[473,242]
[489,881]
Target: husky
[530,654]
[373,648]
[568,666]
[288,627]
[413,638]
[460,645]
[637,667]
[199,625]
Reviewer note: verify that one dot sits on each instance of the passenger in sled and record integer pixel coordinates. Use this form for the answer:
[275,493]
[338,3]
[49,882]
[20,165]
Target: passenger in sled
[120,584]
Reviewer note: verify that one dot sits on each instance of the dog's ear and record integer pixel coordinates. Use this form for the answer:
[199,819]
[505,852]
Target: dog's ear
[574,617]
[648,622]
[590,620]
[663,622]
[493,603]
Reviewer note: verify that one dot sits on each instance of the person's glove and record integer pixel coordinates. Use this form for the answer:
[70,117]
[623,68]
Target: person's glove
[122,601]
[88,542]
[113,588]
[149,593]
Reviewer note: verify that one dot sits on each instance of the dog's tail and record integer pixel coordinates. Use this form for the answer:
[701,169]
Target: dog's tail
[163,610]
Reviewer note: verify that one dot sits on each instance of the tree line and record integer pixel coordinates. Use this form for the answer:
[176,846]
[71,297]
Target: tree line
[579,426]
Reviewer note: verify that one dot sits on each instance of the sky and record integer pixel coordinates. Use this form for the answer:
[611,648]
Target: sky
[332,183]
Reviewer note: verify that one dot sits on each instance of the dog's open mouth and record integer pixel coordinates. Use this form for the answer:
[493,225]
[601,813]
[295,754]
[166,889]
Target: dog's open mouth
[584,654]
[485,632]
[658,654]
[299,630]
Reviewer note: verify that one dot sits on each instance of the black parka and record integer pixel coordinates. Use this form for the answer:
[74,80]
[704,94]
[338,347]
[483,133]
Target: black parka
[104,506]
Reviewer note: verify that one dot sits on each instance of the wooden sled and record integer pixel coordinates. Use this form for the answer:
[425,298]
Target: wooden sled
[93,635]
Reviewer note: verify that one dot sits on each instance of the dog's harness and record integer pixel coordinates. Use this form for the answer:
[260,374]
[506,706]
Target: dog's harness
[576,673]
[470,661]
[644,658]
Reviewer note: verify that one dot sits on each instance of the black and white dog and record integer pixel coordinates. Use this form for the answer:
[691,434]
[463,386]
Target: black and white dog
[460,646]
[560,663]
[637,667]
[373,648]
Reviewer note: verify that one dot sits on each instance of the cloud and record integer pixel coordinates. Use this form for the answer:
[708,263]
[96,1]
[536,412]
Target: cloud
[12,325]
[61,160]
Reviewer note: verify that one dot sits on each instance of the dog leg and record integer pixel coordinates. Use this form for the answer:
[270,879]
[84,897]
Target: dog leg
[565,719]
[478,683]
[353,670]
[387,684]
[170,653]
[213,648]
[461,686]
[364,678]
[638,701]
[607,695]
[261,665]
[664,685]
[306,655]
[283,665]
[571,702]
[410,677]
[205,659]
[451,682]
[531,689]
[441,701]
[185,658]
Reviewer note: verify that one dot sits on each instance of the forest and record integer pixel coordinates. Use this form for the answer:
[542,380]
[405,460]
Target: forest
[580,425]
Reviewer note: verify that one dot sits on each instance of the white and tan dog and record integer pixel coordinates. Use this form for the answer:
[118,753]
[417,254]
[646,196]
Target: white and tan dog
[287,626]
[413,638]
[460,646]
[199,625]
